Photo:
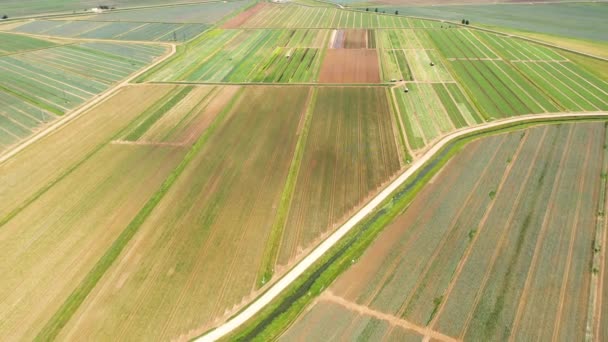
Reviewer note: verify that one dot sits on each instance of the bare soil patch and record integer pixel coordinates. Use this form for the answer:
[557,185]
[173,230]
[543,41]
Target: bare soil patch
[350,66]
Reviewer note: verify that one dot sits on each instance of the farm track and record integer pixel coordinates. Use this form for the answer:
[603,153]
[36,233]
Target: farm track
[392,320]
[88,105]
[282,284]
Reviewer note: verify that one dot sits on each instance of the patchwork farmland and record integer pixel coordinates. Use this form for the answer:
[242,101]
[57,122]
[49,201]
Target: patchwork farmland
[513,214]
[160,207]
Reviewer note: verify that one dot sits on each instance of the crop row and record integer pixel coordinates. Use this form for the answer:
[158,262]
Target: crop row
[350,152]
[250,56]
[11,43]
[286,16]
[566,85]
[40,84]
[517,49]
[460,43]
[428,111]
[113,30]
[399,39]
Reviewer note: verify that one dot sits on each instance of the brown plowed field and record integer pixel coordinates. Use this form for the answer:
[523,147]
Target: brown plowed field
[241,18]
[355,39]
[350,66]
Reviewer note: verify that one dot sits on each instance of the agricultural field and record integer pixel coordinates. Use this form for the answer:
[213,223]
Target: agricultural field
[19,8]
[429,111]
[180,272]
[116,30]
[578,20]
[266,15]
[12,43]
[284,56]
[38,86]
[497,246]
[198,13]
[352,150]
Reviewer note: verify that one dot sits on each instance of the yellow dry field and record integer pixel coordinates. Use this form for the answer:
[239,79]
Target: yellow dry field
[50,246]
[23,176]
[195,259]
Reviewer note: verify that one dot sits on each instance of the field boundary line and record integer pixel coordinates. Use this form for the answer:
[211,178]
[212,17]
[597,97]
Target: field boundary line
[392,320]
[83,109]
[321,249]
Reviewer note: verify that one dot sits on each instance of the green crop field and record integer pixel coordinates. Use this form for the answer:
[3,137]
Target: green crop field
[583,20]
[38,86]
[12,43]
[502,237]
[137,31]
[293,16]
[284,56]
[157,207]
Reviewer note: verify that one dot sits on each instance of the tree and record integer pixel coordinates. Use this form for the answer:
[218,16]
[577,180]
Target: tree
[367,10]
[5,16]
[462,21]
[467,22]
[376,10]
[396,12]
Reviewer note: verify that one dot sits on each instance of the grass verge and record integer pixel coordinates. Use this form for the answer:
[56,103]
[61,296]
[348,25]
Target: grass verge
[280,313]
[51,330]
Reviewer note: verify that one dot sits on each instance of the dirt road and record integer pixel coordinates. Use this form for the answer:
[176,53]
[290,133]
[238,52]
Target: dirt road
[276,289]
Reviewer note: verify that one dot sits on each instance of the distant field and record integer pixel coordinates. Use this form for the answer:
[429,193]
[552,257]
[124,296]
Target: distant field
[12,43]
[584,20]
[351,151]
[497,246]
[249,56]
[203,13]
[196,256]
[14,8]
[38,86]
[116,30]
[293,16]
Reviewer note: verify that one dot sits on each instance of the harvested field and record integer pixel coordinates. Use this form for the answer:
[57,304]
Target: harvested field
[350,66]
[498,246]
[351,151]
[194,260]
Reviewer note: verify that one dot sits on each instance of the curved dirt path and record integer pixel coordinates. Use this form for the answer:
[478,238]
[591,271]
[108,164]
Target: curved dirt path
[275,290]
[88,105]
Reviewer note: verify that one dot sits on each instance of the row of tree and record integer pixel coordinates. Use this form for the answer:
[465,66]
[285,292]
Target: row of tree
[376,10]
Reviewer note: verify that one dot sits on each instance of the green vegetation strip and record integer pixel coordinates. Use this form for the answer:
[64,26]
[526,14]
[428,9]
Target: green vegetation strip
[77,297]
[279,314]
[153,115]
[276,233]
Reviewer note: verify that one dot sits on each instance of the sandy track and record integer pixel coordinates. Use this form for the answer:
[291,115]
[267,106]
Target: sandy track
[282,284]
[74,114]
